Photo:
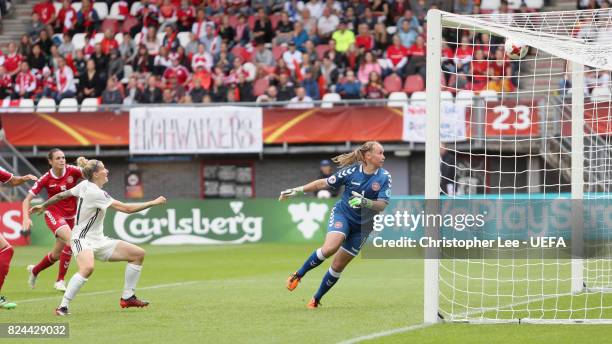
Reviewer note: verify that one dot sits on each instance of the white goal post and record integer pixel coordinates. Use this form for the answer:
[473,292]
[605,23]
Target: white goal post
[527,137]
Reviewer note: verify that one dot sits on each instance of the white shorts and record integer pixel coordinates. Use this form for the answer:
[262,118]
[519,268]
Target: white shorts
[102,248]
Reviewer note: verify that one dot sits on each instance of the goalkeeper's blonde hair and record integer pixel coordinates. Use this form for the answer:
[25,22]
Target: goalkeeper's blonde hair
[358,155]
[88,166]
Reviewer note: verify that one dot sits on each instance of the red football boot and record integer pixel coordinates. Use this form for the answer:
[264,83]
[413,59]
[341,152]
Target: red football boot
[133,302]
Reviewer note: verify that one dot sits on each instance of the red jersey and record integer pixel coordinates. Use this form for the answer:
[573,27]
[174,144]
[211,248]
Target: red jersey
[67,18]
[56,184]
[366,42]
[45,11]
[5,176]
[6,82]
[109,44]
[395,54]
[415,50]
[12,62]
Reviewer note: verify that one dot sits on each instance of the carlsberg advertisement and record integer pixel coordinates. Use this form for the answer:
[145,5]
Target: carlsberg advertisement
[214,222]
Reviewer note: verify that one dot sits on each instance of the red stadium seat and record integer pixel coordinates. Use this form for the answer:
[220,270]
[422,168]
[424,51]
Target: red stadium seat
[260,86]
[414,83]
[112,24]
[393,83]
[251,22]
[274,19]
[233,21]
[277,51]
[128,24]
[321,50]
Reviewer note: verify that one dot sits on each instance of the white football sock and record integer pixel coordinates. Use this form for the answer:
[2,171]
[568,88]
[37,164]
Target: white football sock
[132,275]
[74,285]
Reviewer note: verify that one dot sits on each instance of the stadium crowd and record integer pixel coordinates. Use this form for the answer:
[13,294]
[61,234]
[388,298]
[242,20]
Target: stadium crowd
[180,51]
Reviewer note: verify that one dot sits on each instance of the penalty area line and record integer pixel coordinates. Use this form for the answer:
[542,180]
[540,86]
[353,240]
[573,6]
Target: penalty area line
[385,333]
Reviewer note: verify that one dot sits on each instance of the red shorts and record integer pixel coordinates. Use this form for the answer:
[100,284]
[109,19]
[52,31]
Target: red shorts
[55,221]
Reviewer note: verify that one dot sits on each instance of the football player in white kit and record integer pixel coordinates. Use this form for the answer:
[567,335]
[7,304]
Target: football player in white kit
[88,240]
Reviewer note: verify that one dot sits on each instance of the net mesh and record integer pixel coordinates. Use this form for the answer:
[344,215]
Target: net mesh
[518,146]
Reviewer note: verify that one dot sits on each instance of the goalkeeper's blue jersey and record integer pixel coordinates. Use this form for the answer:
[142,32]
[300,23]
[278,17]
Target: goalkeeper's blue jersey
[376,186]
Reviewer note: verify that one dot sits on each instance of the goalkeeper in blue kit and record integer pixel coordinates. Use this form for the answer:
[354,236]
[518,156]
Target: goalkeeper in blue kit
[367,187]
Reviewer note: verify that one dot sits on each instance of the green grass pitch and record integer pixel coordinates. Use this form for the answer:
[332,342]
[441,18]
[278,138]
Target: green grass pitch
[236,294]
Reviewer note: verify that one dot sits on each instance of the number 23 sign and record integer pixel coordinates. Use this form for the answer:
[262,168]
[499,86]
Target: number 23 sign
[511,120]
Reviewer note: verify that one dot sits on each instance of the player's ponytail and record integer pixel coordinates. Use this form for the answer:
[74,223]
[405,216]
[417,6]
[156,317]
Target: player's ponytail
[357,155]
[88,167]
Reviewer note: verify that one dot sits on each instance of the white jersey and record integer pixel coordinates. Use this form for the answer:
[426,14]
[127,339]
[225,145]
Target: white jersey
[91,209]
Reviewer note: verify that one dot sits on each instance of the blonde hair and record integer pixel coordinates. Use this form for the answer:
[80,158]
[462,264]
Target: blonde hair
[357,155]
[88,166]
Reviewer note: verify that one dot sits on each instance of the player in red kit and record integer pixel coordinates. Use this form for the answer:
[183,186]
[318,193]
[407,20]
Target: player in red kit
[6,250]
[59,217]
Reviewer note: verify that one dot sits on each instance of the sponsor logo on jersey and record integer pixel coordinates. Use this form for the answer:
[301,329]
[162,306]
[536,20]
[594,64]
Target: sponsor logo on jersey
[375,186]
[338,224]
[331,180]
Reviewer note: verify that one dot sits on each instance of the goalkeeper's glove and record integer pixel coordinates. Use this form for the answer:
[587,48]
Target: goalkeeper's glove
[291,192]
[357,201]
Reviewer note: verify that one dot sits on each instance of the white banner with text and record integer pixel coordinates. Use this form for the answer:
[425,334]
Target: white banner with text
[452,122]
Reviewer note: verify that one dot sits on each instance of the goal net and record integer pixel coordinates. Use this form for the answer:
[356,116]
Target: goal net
[538,128]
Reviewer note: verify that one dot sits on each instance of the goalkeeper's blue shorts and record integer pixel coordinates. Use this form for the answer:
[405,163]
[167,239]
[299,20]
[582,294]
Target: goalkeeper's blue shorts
[353,236]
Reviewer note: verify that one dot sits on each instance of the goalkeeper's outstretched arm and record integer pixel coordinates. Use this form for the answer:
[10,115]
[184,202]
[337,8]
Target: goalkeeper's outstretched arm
[313,186]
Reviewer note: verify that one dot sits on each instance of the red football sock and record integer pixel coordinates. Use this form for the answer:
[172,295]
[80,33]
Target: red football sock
[64,262]
[6,254]
[44,263]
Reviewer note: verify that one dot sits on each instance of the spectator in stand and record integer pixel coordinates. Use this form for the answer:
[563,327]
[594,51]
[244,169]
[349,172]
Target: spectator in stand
[148,16]
[151,94]
[127,49]
[417,62]
[12,60]
[161,62]
[497,82]
[176,70]
[358,6]
[299,36]
[244,89]
[292,57]
[211,41]
[243,32]
[178,91]
[308,22]
[197,93]
[45,11]
[420,7]
[35,27]
[269,96]
[325,169]
[66,18]
[263,56]
[167,14]
[343,37]
[80,64]
[218,92]
[66,48]
[414,25]
[112,95]
[198,27]
[202,76]
[286,89]
[115,65]
[374,89]
[202,57]
[36,60]
[226,31]
[192,46]
[369,19]
[284,30]
[101,60]
[170,40]
[448,61]
[311,50]
[396,58]
[6,83]
[64,80]
[316,8]
[479,68]
[327,24]
[231,96]
[132,92]
[91,83]
[25,45]
[464,54]
[310,85]
[262,30]
[301,100]
[87,18]
[53,58]
[185,16]
[108,42]
[367,66]
[45,42]
[151,42]
[381,39]
[364,40]
[168,97]
[224,58]
[25,82]
[349,88]
[464,7]
[48,86]
[406,34]
[329,73]
[143,63]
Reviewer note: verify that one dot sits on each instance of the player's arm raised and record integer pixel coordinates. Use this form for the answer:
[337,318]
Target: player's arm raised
[18,180]
[130,208]
[313,186]
[58,197]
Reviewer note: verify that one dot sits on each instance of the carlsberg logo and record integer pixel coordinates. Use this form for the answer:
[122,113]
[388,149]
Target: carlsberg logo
[195,229]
